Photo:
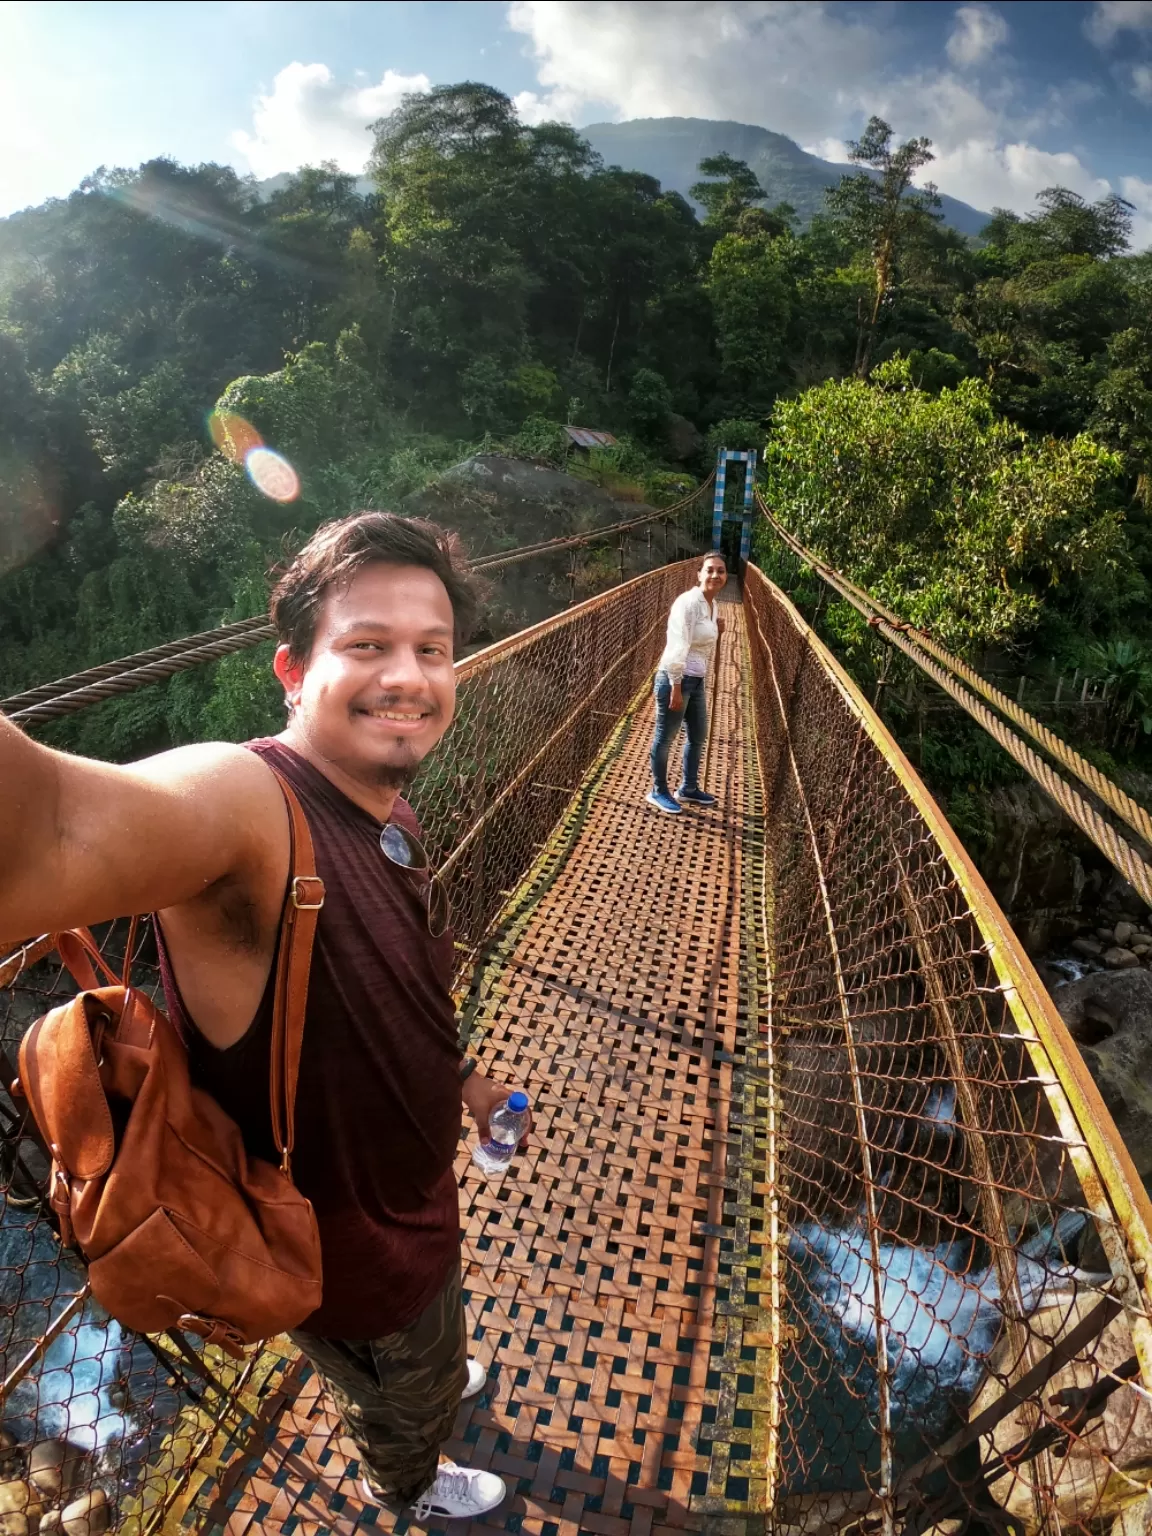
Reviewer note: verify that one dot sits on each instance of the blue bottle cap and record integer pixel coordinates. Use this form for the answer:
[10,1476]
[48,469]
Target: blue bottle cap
[518,1103]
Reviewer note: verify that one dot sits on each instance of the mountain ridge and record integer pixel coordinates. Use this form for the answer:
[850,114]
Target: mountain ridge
[671,148]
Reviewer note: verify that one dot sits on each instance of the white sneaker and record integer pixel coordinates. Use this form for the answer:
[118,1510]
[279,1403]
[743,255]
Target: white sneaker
[459,1493]
[477,1379]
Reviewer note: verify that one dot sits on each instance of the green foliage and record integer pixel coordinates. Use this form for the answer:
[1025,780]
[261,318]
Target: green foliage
[883,216]
[730,192]
[934,370]
[753,283]
[649,405]
[662,487]
[946,511]
[736,432]
[539,438]
[500,280]
[1125,669]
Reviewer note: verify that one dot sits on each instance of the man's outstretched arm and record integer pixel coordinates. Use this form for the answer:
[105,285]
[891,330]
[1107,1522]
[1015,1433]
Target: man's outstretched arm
[82,841]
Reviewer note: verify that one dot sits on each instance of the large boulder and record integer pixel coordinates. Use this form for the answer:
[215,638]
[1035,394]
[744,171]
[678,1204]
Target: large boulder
[1087,1485]
[498,503]
[1035,864]
[1109,1015]
[1049,878]
[682,441]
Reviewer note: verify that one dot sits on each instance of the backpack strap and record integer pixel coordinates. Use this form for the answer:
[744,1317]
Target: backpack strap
[80,954]
[302,903]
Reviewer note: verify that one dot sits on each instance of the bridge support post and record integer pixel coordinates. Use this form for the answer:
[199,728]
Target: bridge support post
[748,458]
[718,501]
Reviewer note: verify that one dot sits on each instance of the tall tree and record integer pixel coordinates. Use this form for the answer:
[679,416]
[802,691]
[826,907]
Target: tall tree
[882,213]
[732,189]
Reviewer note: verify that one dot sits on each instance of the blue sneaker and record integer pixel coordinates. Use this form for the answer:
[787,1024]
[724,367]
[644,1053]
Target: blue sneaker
[695,797]
[664,802]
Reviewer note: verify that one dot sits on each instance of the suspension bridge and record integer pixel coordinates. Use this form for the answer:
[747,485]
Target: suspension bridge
[824,1225]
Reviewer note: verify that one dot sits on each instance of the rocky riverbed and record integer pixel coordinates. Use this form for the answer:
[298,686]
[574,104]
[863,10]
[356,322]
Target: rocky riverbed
[1101,982]
[1090,937]
[1109,1015]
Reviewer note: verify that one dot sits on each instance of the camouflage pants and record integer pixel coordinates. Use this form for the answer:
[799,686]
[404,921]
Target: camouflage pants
[398,1394]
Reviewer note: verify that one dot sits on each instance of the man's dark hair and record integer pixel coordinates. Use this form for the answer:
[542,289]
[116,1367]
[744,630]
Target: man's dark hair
[338,550]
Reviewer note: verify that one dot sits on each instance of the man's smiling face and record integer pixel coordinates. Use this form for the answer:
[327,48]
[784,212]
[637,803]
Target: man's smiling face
[378,690]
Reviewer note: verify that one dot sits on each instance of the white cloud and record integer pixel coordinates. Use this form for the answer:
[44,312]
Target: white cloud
[310,116]
[1139,194]
[557,106]
[752,62]
[979,31]
[991,175]
[1141,84]
[835,150]
[1110,17]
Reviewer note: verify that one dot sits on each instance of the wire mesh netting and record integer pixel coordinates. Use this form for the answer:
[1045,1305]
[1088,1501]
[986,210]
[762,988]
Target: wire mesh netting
[101,1426]
[961,1337]
[532,712]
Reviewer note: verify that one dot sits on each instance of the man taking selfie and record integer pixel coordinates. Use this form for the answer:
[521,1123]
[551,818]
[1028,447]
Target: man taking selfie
[368,615]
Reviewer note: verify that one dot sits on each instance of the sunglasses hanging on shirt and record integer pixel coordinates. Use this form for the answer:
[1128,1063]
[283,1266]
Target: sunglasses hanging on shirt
[400,847]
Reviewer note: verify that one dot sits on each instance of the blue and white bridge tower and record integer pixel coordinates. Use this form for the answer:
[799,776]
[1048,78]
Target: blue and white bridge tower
[747,457]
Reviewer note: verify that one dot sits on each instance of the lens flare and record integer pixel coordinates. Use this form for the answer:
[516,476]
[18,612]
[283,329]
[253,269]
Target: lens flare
[235,437]
[271,473]
[239,441]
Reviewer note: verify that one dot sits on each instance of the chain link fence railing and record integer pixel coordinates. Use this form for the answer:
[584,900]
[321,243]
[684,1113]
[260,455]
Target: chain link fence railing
[101,1428]
[960,1240]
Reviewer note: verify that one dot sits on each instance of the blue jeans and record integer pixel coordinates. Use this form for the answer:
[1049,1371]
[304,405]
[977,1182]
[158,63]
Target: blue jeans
[694,716]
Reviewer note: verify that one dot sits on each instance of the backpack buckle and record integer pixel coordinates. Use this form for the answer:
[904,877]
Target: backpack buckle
[305,886]
[213,1331]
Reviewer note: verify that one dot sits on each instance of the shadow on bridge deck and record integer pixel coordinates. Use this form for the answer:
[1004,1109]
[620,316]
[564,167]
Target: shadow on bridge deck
[611,1281]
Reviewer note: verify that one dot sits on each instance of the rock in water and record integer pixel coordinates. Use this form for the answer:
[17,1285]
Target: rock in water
[56,1468]
[1119,959]
[1089,1487]
[11,1457]
[1109,1015]
[943,1319]
[89,1515]
[20,1508]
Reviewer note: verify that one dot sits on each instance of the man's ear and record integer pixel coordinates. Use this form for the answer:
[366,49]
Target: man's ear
[291,674]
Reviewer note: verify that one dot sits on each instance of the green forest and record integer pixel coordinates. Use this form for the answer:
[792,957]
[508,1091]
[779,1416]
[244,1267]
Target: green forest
[963,425]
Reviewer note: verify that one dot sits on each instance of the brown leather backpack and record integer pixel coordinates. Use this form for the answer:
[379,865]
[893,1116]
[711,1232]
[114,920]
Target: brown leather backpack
[150,1179]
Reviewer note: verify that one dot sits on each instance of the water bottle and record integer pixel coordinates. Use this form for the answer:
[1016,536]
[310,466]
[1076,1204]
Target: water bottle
[506,1124]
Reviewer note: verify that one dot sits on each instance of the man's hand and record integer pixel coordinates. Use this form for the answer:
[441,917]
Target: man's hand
[676,700]
[482,1095]
[719,626]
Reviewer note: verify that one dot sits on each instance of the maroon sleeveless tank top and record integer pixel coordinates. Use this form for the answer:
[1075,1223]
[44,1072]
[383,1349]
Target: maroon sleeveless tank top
[378,1108]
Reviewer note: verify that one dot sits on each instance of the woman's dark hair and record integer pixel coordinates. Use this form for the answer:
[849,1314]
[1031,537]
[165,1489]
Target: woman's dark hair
[338,550]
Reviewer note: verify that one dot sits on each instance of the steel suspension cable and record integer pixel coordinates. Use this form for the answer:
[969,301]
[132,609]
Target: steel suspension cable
[951,676]
[1110,792]
[51,701]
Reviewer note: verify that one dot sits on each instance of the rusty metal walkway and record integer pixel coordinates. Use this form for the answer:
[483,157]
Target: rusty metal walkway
[611,1280]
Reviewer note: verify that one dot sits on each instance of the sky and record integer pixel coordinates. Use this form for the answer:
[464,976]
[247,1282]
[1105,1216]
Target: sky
[1015,96]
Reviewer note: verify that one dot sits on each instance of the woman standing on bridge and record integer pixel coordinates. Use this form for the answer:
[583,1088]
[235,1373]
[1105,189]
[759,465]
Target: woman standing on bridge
[693,629]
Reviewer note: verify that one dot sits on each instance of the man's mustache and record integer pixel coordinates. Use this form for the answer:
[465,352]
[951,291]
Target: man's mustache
[401,701]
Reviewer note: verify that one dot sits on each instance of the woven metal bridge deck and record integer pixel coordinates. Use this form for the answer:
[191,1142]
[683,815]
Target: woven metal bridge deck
[611,1279]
